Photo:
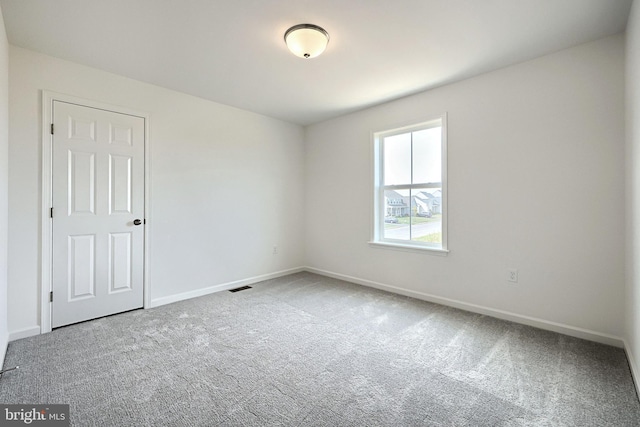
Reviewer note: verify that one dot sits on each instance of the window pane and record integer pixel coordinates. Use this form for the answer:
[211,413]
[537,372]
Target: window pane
[396,214]
[427,147]
[426,215]
[409,183]
[397,159]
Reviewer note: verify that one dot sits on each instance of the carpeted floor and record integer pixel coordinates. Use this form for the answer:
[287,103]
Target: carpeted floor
[311,351]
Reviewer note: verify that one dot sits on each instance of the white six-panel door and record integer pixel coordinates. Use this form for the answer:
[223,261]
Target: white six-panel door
[98,198]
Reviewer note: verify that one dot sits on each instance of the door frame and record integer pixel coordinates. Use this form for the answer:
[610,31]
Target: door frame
[46,231]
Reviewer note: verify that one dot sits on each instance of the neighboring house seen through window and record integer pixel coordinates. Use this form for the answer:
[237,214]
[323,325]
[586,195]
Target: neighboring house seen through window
[410,186]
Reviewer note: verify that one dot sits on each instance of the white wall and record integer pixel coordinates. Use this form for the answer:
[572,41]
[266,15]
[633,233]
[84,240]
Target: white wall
[226,184]
[632,332]
[535,183]
[4,183]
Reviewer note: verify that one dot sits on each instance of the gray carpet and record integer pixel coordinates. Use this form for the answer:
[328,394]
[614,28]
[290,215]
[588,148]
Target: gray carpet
[311,351]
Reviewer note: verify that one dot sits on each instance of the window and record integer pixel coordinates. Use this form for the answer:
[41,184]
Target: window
[410,186]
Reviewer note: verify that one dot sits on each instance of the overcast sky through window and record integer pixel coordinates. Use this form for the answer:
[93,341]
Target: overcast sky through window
[426,157]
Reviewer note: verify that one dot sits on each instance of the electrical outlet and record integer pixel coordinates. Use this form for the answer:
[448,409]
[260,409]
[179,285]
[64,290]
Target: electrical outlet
[512,275]
[275,250]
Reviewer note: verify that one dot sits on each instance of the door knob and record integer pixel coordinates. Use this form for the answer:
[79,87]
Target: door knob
[137,222]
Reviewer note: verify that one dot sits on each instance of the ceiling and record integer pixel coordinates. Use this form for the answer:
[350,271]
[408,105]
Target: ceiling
[232,51]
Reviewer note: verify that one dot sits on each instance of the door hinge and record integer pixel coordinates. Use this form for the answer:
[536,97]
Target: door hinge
[51,213]
[51,296]
[51,128]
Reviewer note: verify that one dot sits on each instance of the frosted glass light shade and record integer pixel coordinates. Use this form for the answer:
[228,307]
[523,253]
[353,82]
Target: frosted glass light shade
[306,40]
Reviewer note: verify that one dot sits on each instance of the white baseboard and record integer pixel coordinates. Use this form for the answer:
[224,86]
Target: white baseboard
[500,314]
[24,333]
[635,374]
[157,302]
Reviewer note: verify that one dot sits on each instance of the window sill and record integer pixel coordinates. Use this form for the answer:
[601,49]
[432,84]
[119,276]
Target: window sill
[409,248]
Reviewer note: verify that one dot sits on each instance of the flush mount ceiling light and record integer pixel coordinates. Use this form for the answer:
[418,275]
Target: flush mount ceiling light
[306,40]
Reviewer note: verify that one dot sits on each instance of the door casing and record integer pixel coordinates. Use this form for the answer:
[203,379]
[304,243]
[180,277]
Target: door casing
[46,222]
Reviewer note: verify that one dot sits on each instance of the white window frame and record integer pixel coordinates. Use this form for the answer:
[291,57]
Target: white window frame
[378,239]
